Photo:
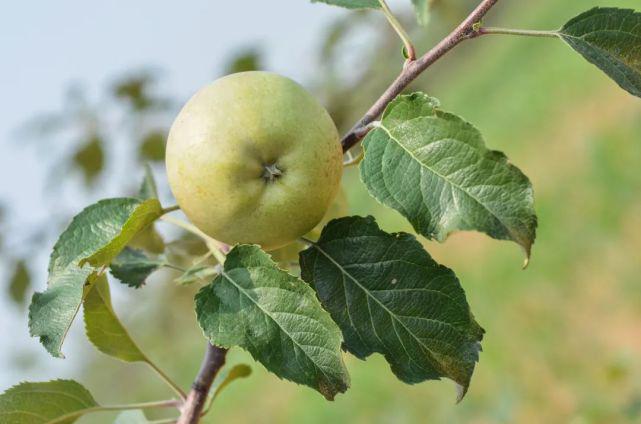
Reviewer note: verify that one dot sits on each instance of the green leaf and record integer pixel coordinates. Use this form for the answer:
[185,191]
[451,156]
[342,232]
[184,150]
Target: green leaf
[434,168]
[58,401]
[245,61]
[103,327]
[20,282]
[135,416]
[276,317]
[92,239]
[132,267]
[148,239]
[197,273]
[227,377]
[352,4]
[422,9]
[143,214]
[152,146]
[90,158]
[148,188]
[135,90]
[609,38]
[389,296]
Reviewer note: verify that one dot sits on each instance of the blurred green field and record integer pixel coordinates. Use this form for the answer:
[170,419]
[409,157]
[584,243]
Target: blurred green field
[563,342]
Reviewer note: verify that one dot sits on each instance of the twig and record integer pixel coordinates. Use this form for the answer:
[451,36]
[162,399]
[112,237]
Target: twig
[412,69]
[212,363]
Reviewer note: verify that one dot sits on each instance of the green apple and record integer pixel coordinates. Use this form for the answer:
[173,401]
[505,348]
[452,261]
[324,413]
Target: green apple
[254,158]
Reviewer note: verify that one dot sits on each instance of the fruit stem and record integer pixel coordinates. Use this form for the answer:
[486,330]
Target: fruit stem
[217,248]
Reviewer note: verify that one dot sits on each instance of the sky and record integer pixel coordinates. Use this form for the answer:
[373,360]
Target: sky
[46,45]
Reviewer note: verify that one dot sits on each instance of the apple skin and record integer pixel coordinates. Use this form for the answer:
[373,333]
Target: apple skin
[254,158]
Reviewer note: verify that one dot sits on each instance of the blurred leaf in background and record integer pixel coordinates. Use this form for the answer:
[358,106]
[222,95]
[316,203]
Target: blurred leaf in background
[246,60]
[90,158]
[20,282]
[135,90]
[152,147]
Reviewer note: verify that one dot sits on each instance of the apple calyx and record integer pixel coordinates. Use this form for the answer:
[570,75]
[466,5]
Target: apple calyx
[271,173]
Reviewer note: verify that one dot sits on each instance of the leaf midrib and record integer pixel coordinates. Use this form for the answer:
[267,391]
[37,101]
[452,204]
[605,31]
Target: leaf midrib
[241,289]
[391,314]
[506,227]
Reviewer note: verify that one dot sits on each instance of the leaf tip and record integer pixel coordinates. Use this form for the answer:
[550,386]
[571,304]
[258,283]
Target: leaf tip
[461,390]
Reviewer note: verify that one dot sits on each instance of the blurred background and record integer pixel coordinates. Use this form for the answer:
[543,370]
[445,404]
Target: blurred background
[90,88]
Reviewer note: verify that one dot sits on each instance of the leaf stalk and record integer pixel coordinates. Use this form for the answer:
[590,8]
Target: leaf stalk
[398,27]
[519,32]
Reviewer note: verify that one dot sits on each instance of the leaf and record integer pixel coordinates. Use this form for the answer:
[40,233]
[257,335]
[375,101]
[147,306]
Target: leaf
[132,267]
[90,158]
[609,38]
[434,168]
[245,61]
[103,327]
[148,188]
[227,377]
[352,4]
[197,273]
[93,238]
[144,214]
[152,146]
[135,416]
[389,296]
[422,9]
[276,317]
[59,401]
[135,91]
[148,239]
[20,282]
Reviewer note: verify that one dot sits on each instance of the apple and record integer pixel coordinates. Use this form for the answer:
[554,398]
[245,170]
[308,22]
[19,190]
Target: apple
[254,158]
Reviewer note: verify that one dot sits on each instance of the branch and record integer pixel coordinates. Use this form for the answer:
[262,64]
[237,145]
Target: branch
[466,30]
[212,363]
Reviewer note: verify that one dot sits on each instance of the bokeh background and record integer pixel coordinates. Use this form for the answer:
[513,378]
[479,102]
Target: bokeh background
[90,88]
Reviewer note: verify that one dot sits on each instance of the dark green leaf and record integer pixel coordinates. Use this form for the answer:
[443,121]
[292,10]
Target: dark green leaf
[276,317]
[132,267]
[90,158]
[103,327]
[20,282]
[434,168]
[352,4]
[152,147]
[389,296]
[92,240]
[58,401]
[609,38]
